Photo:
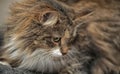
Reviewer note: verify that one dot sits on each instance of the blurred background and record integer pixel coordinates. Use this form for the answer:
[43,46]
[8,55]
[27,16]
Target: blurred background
[4,13]
[4,10]
[4,6]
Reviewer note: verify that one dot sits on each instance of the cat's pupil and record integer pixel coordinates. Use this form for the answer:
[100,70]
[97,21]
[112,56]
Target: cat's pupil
[56,39]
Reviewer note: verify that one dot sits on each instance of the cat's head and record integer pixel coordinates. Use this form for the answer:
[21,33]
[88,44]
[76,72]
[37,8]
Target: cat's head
[44,37]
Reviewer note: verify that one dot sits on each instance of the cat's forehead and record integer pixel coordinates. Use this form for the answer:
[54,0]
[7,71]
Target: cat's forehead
[58,29]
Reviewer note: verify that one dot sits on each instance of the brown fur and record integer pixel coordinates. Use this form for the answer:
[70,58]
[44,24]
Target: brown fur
[97,39]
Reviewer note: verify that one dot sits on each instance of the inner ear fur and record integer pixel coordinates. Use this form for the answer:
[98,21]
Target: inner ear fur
[47,18]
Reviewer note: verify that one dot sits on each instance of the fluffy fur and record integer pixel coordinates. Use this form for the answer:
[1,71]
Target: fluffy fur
[8,70]
[64,36]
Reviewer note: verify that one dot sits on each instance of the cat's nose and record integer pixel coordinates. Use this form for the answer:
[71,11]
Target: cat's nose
[64,50]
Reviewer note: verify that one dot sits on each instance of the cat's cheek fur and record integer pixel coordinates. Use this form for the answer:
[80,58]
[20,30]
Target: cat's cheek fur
[41,60]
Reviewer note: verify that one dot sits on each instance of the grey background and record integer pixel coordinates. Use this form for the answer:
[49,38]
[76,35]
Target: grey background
[4,10]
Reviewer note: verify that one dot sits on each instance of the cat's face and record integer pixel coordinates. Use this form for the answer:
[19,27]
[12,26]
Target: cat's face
[45,41]
[49,32]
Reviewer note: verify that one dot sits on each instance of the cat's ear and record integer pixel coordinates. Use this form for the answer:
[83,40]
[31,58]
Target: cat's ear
[48,18]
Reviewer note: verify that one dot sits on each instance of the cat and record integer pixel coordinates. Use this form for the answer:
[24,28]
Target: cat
[63,36]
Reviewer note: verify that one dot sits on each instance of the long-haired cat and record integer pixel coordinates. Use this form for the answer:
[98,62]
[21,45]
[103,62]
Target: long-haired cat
[64,36]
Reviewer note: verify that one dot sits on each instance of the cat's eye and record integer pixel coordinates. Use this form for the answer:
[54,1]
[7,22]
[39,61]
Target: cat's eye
[56,39]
